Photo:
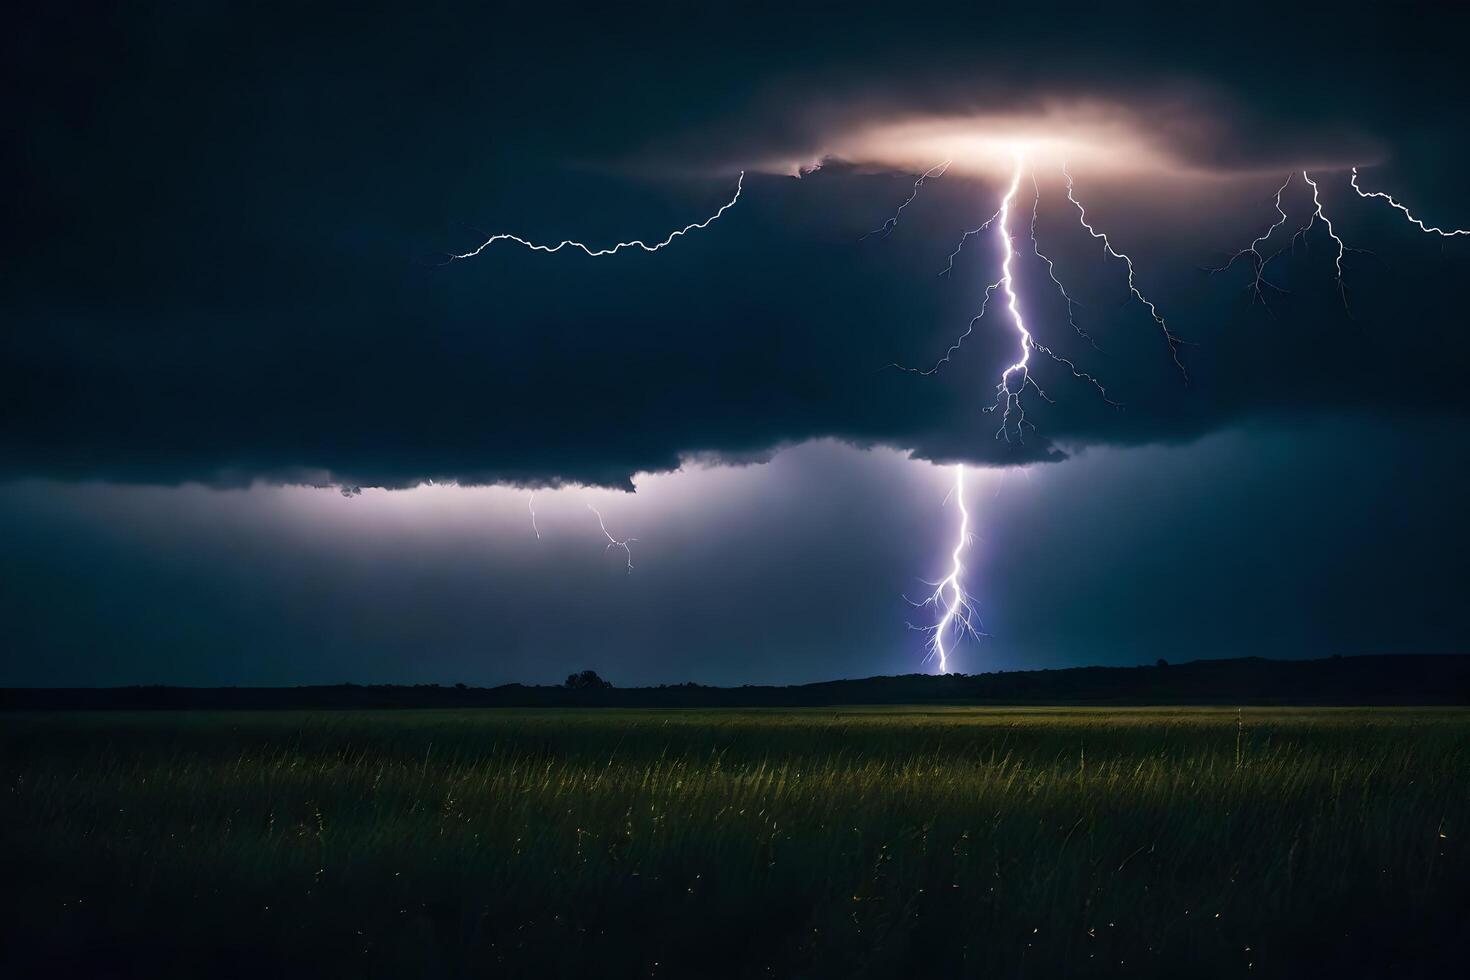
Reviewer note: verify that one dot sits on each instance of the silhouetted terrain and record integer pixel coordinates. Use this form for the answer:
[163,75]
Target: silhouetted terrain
[1387,680]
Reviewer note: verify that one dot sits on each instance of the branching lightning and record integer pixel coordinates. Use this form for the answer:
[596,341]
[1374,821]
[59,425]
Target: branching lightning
[886,228]
[1427,229]
[1170,337]
[958,618]
[613,542]
[1318,213]
[948,269]
[1017,377]
[1051,268]
[1008,398]
[531,505]
[958,341]
[1259,262]
[611,249]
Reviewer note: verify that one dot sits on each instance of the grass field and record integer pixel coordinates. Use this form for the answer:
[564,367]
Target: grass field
[818,843]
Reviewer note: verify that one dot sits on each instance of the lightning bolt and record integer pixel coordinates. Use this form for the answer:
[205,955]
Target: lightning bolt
[613,542]
[886,228]
[1318,213]
[1427,229]
[1017,377]
[531,505]
[958,616]
[1170,338]
[958,341]
[611,249]
[1007,398]
[1051,268]
[948,269]
[1258,261]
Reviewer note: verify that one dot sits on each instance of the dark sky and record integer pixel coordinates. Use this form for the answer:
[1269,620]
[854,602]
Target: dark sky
[223,298]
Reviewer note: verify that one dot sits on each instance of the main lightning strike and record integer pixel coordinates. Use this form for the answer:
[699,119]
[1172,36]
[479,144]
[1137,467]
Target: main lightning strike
[613,542]
[612,249]
[958,616]
[1015,378]
[1006,397]
[949,593]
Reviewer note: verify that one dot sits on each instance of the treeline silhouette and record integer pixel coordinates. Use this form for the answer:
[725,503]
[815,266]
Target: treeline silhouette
[1373,680]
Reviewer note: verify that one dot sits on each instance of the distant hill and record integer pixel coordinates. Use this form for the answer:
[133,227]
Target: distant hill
[1377,680]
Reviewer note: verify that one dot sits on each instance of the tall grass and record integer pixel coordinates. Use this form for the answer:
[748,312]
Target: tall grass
[864,842]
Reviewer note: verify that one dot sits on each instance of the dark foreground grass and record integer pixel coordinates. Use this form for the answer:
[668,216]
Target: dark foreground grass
[821,843]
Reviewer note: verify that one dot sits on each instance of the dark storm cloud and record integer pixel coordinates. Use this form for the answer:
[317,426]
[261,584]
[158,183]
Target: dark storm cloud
[222,259]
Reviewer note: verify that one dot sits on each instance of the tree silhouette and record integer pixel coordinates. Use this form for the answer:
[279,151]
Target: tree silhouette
[587,680]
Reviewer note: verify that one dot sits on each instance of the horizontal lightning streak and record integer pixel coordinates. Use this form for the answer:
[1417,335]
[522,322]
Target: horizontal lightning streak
[611,249]
[1427,229]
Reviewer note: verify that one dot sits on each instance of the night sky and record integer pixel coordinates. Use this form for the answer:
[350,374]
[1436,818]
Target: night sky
[226,311]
